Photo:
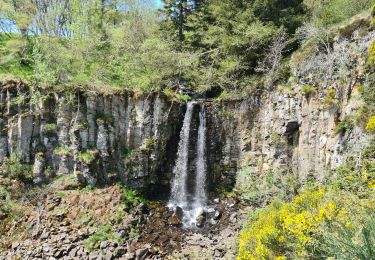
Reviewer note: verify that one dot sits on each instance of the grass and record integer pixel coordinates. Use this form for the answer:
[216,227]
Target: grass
[62,150]
[103,233]
[87,157]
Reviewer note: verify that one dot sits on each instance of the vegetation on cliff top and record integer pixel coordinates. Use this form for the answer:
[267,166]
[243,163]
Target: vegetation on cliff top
[230,45]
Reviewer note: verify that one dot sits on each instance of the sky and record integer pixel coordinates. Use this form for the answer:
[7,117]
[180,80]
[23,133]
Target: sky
[158,2]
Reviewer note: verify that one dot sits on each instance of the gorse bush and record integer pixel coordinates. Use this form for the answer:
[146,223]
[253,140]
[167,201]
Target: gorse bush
[292,230]
[370,127]
[334,221]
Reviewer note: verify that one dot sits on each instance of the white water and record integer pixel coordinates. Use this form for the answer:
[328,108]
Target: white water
[200,181]
[180,171]
[179,195]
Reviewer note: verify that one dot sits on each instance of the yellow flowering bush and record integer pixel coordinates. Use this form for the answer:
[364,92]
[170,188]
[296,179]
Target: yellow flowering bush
[370,127]
[286,228]
[371,55]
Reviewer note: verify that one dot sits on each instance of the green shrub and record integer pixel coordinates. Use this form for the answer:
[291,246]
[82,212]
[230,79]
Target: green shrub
[308,90]
[103,233]
[330,99]
[291,230]
[150,142]
[62,151]
[87,157]
[176,96]
[184,98]
[345,125]
[337,11]
[132,198]
[12,167]
[260,188]
[48,128]
[347,240]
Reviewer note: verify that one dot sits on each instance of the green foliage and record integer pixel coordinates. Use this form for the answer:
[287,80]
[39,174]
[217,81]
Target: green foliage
[336,11]
[230,37]
[292,230]
[103,233]
[308,90]
[87,157]
[132,198]
[150,142]
[176,96]
[345,125]
[6,206]
[49,128]
[12,167]
[62,151]
[330,99]
[347,241]
[14,57]
[261,188]
[184,98]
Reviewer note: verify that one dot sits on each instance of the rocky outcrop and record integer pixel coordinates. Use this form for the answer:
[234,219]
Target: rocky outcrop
[99,137]
[287,132]
[134,138]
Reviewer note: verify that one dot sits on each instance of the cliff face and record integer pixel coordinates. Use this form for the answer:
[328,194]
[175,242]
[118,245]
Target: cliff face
[99,137]
[134,138]
[286,133]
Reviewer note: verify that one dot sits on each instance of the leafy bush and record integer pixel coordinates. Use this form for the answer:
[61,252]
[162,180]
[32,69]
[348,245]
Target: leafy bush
[336,11]
[12,167]
[62,151]
[347,240]
[48,128]
[345,125]
[330,99]
[308,90]
[87,157]
[290,230]
[184,98]
[261,188]
[132,198]
[103,233]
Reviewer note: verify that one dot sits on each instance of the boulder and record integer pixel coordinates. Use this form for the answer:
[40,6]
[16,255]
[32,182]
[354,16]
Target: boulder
[141,254]
[201,219]
[176,218]
[217,215]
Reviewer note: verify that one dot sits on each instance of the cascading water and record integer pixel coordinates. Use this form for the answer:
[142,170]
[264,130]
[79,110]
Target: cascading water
[200,181]
[179,194]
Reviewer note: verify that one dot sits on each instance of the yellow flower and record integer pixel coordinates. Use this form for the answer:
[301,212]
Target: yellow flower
[371,184]
[349,224]
[370,127]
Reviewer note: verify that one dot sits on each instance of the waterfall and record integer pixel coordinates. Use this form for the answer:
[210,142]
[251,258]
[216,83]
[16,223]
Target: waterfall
[201,167]
[193,207]
[179,192]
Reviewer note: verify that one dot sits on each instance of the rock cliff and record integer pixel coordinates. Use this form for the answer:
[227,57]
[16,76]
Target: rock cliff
[134,138]
[98,137]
